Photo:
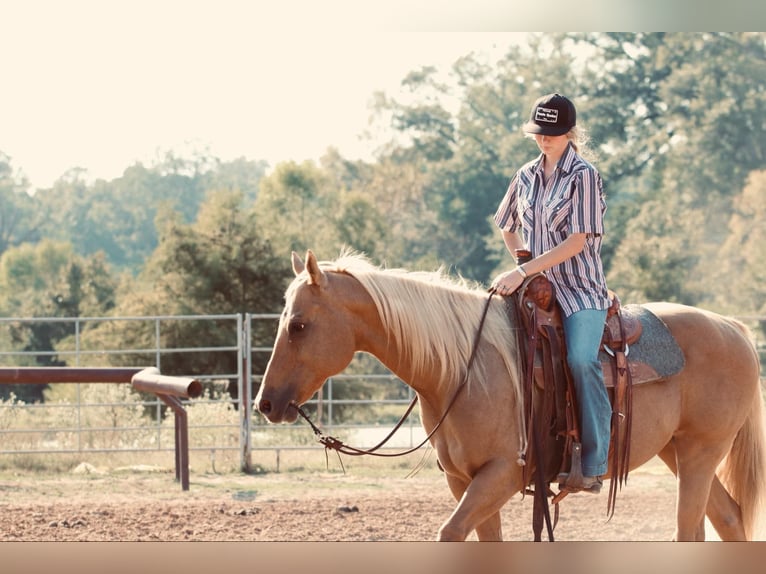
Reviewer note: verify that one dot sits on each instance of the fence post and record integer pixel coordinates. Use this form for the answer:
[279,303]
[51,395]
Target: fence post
[245,386]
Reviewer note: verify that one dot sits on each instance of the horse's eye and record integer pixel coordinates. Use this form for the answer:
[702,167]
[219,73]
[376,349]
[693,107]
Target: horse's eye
[295,327]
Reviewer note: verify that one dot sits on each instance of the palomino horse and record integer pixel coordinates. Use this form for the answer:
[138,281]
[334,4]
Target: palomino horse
[422,327]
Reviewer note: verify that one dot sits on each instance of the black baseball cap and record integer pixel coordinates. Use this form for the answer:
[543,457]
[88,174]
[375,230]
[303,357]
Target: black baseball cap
[552,115]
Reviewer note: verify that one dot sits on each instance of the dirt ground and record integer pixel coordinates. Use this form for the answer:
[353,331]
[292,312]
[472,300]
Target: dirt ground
[141,505]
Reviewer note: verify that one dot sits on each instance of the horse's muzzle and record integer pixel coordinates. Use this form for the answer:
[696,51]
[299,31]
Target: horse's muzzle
[287,415]
[264,406]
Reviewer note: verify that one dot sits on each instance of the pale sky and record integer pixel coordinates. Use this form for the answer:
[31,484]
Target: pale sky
[100,85]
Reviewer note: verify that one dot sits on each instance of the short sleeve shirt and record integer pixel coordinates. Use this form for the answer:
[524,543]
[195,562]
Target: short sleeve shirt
[571,202]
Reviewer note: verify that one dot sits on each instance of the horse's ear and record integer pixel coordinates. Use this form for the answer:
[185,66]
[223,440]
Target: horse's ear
[298,265]
[316,275]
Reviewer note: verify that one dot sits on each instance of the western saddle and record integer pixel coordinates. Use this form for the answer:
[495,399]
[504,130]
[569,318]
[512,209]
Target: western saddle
[553,435]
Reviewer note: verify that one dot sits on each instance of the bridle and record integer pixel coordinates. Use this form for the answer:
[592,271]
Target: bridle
[332,443]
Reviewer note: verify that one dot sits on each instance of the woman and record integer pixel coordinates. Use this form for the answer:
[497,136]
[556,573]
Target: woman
[556,202]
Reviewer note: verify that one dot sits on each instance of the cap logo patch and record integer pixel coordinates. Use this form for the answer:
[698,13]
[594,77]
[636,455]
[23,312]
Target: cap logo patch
[547,115]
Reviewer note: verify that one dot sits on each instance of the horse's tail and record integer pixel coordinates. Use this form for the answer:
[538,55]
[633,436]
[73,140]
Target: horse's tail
[743,471]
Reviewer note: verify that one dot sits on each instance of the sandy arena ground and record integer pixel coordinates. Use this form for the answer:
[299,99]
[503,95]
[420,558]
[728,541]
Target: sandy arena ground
[302,506]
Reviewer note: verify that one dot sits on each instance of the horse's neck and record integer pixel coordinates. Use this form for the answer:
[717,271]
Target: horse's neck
[382,345]
[386,351]
[401,343]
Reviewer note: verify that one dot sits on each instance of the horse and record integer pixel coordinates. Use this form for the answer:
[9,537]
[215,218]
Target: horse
[705,423]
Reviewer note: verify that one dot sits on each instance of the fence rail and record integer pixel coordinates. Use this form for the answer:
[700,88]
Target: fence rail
[116,418]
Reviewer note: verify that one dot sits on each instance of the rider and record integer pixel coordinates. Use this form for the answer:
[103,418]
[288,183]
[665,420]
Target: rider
[557,204]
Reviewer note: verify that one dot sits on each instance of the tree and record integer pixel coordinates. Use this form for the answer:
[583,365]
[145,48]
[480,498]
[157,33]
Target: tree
[20,216]
[219,264]
[676,115]
[297,207]
[657,260]
[117,216]
[682,112]
[49,280]
[741,278]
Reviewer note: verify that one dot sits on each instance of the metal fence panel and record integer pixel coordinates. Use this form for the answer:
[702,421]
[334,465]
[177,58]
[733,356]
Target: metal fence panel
[122,420]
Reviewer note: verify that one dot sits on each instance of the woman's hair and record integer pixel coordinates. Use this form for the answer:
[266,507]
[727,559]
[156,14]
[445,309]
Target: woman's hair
[578,136]
[580,139]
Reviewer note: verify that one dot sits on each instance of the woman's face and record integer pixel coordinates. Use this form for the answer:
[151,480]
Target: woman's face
[552,145]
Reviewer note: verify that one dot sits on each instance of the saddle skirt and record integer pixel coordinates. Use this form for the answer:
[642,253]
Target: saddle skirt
[652,353]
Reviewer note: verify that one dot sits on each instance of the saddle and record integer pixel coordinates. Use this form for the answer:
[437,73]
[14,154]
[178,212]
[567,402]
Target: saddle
[550,401]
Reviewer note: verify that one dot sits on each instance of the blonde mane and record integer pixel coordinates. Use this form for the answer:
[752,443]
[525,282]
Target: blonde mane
[433,319]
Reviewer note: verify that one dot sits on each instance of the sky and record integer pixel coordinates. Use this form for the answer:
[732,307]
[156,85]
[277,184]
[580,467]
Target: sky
[102,84]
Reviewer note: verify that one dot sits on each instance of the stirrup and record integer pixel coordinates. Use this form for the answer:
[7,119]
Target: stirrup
[589,484]
[574,481]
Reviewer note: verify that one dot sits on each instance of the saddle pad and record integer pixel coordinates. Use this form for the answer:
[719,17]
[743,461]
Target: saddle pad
[656,355]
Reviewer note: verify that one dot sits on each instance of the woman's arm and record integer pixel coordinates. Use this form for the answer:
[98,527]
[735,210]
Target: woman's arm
[508,282]
[512,241]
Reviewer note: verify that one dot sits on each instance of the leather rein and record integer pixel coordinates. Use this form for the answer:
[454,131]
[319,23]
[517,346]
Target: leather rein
[333,443]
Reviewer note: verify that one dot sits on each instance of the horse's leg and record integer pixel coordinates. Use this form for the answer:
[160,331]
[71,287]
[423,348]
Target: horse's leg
[490,529]
[724,514]
[480,503]
[722,510]
[668,456]
[696,467]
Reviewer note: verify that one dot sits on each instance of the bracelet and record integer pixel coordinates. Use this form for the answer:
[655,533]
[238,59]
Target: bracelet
[521,271]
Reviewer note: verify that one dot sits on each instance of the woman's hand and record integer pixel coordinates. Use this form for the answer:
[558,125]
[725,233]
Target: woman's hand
[506,283]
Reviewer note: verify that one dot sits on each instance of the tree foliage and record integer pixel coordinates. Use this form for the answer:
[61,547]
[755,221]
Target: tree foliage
[20,216]
[48,279]
[117,217]
[218,265]
[742,262]
[676,122]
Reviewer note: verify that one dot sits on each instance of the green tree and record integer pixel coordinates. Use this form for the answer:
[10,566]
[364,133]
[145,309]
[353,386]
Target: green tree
[240,174]
[297,206]
[219,264]
[681,128]
[741,278]
[20,216]
[657,260]
[49,280]
[117,216]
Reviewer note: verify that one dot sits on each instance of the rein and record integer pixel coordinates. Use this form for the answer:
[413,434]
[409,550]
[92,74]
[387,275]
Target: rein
[333,443]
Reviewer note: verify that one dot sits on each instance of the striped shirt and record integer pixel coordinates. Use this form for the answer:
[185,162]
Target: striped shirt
[571,202]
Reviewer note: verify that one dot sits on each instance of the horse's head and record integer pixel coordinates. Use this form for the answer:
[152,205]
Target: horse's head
[315,340]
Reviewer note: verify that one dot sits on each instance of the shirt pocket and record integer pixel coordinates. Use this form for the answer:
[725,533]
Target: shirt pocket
[526,207]
[557,212]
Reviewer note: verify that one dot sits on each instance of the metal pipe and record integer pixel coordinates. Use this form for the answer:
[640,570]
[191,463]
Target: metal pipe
[143,379]
[181,439]
[38,375]
[151,381]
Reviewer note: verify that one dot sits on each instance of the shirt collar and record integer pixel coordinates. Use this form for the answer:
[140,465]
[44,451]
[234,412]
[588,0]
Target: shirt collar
[565,163]
[568,159]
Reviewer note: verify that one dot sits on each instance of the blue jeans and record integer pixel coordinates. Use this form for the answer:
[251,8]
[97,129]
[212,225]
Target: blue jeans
[583,331]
